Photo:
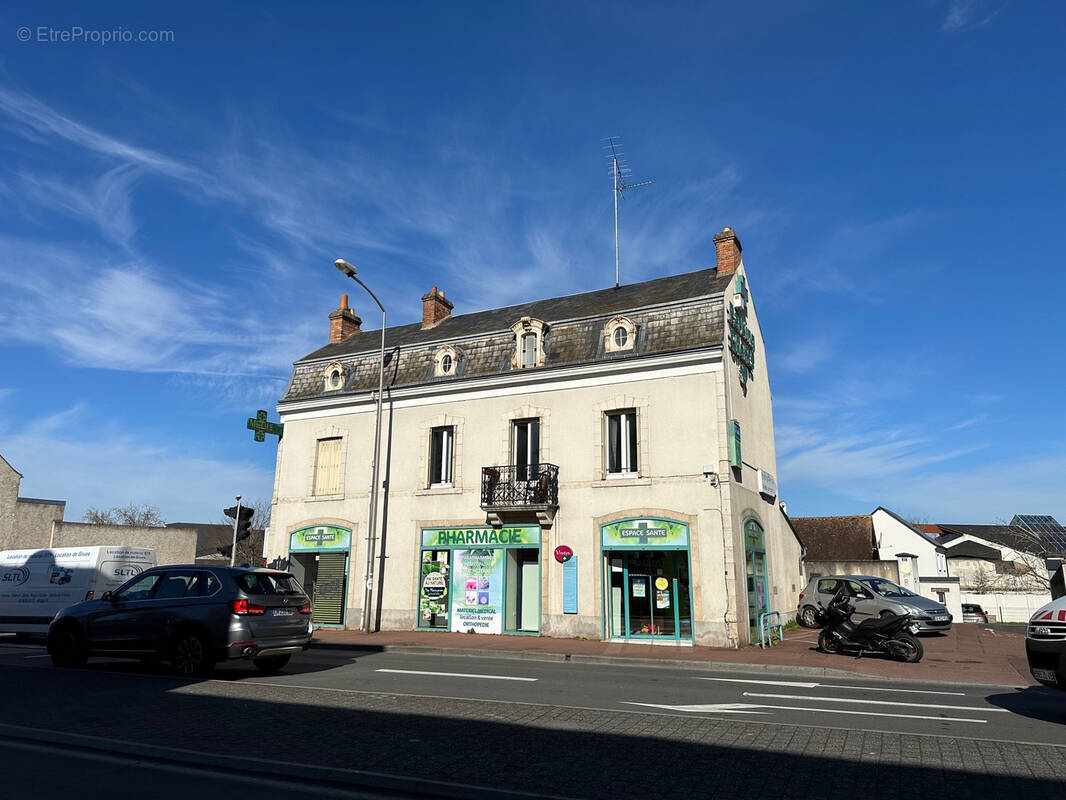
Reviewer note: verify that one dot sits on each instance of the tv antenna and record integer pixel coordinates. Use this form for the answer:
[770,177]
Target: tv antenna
[619,174]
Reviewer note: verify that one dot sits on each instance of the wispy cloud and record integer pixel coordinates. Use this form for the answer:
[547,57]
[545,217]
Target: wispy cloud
[90,462]
[803,356]
[966,15]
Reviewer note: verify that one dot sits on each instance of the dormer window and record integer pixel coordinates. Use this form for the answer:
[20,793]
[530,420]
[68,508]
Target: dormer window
[529,343]
[334,377]
[445,361]
[619,334]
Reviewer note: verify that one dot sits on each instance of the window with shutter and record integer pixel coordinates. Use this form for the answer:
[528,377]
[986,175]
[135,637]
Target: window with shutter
[621,442]
[328,467]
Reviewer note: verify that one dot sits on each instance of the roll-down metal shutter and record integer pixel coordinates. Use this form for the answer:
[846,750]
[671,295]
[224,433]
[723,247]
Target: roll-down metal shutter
[329,589]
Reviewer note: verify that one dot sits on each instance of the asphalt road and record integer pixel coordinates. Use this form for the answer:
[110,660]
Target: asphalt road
[469,721]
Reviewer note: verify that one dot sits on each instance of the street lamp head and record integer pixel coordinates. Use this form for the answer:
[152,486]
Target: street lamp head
[345,267]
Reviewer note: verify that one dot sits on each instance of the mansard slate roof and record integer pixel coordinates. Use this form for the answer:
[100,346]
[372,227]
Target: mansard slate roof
[486,343]
[837,538]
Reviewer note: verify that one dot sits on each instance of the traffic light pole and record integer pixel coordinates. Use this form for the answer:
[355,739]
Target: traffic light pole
[236,522]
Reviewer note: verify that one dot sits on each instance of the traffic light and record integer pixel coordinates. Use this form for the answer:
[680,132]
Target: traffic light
[244,523]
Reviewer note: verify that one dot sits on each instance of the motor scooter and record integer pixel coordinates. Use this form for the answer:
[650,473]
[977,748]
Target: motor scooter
[890,634]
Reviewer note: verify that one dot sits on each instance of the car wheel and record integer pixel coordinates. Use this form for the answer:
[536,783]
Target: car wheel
[826,643]
[806,617]
[271,664]
[191,656]
[66,648]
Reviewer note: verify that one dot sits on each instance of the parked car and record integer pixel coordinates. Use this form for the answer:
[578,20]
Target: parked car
[883,597]
[971,612]
[190,615]
[1045,644]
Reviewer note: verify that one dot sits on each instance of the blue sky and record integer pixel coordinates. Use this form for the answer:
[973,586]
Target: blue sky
[169,213]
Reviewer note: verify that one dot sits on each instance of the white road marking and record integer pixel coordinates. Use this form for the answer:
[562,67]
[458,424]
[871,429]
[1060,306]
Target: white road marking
[456,675]
[874,702]
[46,655]
[803,685]
[712,709]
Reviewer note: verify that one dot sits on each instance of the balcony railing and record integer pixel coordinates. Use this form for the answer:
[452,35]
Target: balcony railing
[520,485]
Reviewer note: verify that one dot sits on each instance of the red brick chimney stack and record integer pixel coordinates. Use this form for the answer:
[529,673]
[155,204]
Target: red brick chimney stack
[343,322]
[728,249]
[434,308]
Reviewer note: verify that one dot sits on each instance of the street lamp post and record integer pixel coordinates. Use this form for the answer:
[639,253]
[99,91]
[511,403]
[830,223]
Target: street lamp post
[349,270]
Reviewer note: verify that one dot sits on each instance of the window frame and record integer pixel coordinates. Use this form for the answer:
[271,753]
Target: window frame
[441,459]
[334,488]
[628,443]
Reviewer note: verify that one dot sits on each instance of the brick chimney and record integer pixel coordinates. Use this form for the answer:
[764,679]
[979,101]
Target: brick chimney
[434,308]
[343,322]
[728,249]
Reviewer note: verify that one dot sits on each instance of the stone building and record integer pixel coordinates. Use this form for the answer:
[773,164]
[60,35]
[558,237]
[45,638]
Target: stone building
[597,465]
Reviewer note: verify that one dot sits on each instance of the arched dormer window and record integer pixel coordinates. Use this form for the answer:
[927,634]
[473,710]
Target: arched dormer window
[619,334]
[529,343]
[334,377]
[445,361]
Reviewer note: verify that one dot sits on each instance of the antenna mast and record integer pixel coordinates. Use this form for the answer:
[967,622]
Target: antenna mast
[619,171]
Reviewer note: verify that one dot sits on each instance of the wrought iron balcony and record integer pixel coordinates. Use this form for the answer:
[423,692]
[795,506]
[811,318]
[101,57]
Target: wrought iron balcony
[518,486]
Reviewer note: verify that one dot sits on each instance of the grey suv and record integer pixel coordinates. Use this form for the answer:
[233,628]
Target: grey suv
[882,597]
[192,616]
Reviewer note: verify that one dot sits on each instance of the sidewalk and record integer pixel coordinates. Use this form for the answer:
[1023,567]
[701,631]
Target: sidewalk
[966,654]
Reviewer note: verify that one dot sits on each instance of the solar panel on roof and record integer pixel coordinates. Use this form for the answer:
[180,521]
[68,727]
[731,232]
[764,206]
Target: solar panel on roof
[1046,527]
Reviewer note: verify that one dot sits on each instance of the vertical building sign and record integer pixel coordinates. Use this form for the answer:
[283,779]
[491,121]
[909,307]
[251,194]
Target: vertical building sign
[570,585]
[477,591]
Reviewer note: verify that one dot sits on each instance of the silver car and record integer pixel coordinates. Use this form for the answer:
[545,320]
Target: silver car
[190,615]
[872,597]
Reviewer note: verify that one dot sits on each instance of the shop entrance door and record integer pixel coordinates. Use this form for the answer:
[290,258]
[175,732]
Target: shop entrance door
[324,578]
[757,600]
[649,596]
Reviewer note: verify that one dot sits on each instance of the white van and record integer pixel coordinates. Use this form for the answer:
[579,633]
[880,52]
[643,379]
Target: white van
[35,584]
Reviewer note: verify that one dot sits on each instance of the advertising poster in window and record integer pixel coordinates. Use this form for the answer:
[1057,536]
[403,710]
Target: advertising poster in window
[477,591]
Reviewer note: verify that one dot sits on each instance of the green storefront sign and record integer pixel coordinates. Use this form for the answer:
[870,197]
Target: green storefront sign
[754,537]
[644,532]
[527,536]
[319,538]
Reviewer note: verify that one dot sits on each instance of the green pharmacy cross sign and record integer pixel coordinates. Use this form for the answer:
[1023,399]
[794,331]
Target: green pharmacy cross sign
[259,424]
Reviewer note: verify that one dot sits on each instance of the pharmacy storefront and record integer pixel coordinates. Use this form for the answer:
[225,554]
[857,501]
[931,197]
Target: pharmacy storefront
[318,557]
[647,593]
[485,580]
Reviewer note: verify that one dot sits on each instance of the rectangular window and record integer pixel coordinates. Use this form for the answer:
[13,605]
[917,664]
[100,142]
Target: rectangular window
[328,467]
[440,456]
[622,442]
[529,350]
[525,449]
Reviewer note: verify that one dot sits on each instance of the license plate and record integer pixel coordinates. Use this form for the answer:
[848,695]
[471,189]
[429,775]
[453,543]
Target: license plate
[1045,675]
[914,628]
[283,612]
[940,617]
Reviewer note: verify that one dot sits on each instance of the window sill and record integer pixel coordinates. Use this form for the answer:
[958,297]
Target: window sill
[432,490]
[621,480]
[321,498]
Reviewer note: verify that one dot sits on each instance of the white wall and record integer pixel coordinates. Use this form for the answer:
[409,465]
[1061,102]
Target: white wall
[894,537]
[1009,606]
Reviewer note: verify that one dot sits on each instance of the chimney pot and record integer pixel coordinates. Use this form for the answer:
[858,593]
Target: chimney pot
[434,308]
[727,249]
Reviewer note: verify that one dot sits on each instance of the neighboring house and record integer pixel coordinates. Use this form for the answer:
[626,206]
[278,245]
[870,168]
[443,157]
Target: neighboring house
[25,522]
[632,426]
[882,544]
[994,558]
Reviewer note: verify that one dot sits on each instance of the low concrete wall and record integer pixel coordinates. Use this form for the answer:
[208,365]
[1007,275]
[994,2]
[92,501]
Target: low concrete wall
[1008,606]
[880,569]
[946,591]
[172,545]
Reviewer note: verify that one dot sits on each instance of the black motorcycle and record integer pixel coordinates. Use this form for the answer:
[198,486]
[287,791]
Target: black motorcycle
[891,634]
